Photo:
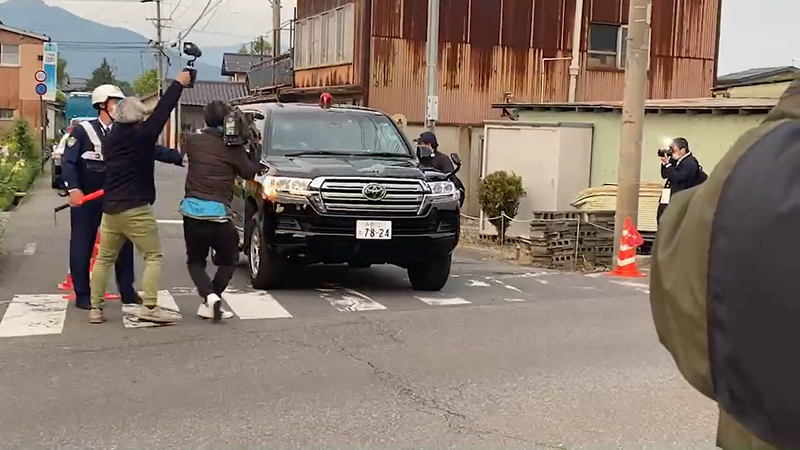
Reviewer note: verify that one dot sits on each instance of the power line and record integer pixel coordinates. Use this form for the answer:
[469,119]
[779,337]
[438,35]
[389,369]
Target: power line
[186,31]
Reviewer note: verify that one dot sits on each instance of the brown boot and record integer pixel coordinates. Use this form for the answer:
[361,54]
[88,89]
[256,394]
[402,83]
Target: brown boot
[96,316]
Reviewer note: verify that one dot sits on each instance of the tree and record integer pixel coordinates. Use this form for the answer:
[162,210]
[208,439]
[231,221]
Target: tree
[101,75]
[62,76]
[259,46]
[146,83]
[125,87]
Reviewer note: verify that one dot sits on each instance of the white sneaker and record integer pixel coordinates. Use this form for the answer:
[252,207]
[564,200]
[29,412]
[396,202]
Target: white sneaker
[212,309]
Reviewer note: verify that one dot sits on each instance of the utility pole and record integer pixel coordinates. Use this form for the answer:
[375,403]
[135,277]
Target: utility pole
[276,28]
[432,60]
[630,150]
[178,126]
[159,42]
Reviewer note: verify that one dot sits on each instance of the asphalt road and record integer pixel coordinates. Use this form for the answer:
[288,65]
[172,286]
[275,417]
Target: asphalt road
[504,356]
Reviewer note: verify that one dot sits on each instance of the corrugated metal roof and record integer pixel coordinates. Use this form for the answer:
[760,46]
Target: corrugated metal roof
[233,63]
[695,104]
[754,75]
[204,92]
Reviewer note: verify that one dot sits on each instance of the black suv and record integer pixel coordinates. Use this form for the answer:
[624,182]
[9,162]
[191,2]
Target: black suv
[343,185]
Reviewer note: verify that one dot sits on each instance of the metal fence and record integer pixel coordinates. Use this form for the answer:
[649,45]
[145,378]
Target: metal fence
[271,73]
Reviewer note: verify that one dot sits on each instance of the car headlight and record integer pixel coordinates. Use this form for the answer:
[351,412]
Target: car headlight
[443,190]
[284,187]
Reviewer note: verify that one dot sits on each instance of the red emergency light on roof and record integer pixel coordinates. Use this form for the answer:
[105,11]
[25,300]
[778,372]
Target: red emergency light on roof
[325,101]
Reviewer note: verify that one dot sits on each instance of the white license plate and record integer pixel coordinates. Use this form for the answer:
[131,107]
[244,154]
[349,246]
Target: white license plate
[373,229]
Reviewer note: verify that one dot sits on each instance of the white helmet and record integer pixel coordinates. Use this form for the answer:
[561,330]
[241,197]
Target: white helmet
[102,93]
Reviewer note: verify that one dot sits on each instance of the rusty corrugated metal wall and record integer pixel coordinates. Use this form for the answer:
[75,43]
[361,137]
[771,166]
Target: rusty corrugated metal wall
[336,75]
[682,49]
[491,47]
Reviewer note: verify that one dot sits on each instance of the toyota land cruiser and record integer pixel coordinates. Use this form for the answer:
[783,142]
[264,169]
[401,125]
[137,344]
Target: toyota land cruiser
[342,184]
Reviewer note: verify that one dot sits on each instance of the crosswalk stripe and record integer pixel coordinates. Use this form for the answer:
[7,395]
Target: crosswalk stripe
[443,301]
[255,305]
[348,300]
[130,313]
[34,315]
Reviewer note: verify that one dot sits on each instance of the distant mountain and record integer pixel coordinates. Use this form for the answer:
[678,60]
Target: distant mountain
[84,43]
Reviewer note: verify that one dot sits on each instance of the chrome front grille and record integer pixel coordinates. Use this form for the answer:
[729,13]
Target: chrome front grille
[346,195]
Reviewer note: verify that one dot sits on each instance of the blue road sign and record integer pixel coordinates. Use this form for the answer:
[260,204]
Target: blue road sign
[41,89]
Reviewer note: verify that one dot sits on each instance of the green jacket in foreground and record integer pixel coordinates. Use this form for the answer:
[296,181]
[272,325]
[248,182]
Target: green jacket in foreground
[725,284]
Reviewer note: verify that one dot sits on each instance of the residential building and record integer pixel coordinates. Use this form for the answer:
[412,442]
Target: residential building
[191,106]
[236,66]
[765,82]
[372,53]
[20,57]
[75,84]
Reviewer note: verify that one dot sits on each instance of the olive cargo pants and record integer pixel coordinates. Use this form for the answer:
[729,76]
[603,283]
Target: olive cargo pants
[140,227]
[733,436]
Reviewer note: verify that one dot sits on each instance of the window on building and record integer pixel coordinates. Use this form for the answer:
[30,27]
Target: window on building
[325,39]
[608,45]
[6,114]
[9,55]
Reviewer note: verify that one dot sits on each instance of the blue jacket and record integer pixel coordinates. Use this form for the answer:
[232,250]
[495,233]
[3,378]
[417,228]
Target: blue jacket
[88,174]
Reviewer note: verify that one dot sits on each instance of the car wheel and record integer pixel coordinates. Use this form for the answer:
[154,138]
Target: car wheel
[266,266]
[432,274]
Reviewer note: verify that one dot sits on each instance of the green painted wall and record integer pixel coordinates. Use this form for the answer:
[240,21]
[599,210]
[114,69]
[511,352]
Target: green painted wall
[709,138]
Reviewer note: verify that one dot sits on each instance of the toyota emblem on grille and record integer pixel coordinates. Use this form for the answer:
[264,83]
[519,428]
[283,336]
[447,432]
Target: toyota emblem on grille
[374,191]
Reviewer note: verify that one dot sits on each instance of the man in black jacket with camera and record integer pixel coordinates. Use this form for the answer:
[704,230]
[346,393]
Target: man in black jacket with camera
[213,167]
[681,170]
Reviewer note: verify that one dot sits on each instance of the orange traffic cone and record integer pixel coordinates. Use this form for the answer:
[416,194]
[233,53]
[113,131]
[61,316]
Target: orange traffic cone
[66,285]
[626,261]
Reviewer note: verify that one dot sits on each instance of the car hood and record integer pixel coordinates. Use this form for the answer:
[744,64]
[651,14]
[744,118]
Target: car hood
[346,166]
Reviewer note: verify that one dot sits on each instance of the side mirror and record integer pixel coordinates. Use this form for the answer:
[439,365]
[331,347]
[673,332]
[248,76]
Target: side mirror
[456,160]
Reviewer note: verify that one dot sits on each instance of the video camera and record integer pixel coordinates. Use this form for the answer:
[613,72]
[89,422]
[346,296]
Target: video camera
[239,128]
[190,49]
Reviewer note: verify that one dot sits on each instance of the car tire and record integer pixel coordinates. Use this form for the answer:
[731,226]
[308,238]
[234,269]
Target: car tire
[265,265]
[432,274]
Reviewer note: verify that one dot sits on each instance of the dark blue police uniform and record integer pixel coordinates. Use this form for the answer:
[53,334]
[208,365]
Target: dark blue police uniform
[83,168]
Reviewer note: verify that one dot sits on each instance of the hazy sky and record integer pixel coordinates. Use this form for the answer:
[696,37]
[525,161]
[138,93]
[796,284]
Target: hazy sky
[755,33]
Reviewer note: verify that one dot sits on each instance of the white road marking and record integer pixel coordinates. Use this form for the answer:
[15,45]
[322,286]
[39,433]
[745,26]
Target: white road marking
[476,283]
[541,281]
[507,286]
[130,313]
[170,221]
[30,248]
[255,305]
[514,300]
[641,287]
[443,301]
[348,300]
[34,315]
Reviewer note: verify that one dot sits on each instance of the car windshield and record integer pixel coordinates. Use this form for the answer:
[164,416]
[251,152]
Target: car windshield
[308,131]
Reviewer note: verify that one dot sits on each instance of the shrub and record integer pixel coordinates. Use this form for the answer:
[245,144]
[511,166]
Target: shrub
[500,193]
[21,142]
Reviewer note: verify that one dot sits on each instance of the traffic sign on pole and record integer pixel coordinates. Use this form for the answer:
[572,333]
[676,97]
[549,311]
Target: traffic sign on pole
[41,89]
[40,76]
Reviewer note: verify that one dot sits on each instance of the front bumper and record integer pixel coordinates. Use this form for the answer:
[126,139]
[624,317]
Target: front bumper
[299,231]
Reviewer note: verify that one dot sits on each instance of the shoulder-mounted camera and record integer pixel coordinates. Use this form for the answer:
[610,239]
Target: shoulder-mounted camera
[236,128]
